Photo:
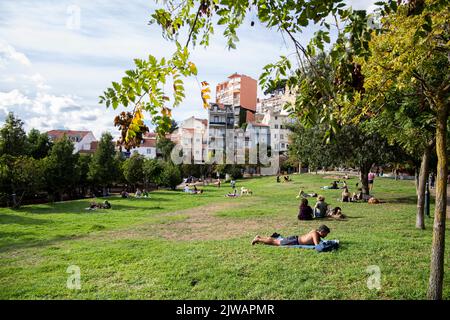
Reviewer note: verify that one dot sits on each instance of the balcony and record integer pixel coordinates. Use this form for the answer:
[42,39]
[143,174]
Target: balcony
[217,123]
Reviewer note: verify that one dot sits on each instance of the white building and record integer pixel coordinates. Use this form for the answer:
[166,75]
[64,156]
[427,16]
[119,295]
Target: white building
[192,136]
[147,147]
[83,141]
[271,112]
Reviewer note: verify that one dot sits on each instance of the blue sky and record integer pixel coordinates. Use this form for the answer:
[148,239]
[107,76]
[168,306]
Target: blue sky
[53,69]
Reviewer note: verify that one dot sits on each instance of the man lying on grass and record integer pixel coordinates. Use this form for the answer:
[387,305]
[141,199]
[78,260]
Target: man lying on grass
[311,238]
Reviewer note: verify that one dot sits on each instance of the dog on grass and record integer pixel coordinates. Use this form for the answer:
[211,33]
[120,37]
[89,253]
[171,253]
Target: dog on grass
[246,191]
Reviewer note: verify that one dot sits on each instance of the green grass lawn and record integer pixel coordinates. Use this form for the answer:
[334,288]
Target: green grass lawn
[180,246]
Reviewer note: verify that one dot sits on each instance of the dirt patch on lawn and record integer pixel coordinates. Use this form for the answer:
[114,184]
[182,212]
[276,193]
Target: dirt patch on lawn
[194,224]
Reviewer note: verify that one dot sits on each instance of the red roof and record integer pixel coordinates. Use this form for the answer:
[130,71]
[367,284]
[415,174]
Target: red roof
[149,143]
[150,135]
[56,134]
[204,121]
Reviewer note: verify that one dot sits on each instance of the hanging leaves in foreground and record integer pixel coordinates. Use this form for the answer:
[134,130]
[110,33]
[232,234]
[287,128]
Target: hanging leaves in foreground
[132,129]
[206,94]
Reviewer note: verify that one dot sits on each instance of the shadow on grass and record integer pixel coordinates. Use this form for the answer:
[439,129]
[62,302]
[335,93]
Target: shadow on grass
[14,219]
[26,243]
[404,200]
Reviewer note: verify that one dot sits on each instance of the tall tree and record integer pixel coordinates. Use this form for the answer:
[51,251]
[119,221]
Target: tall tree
[61,171]
[103,169]
[13,140]
[165,146]
[39,144]
[133,169]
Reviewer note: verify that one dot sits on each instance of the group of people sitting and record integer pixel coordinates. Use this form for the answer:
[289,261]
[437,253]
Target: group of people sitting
[137,194]
[94,205]
[359,195]
[192,191]
[334,185]
[285,178]
[320,210]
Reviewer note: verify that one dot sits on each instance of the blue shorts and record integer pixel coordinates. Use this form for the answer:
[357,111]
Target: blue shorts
[289,241]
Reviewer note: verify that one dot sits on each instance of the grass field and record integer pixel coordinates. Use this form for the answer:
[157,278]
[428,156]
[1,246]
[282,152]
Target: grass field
[180,246]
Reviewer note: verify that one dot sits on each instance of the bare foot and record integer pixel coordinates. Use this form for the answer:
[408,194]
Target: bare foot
[255,240]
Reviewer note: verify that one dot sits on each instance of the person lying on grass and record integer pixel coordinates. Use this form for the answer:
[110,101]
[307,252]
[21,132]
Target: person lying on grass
[333,186]
[311,238]
[232,195]
[303,194]
[95,205]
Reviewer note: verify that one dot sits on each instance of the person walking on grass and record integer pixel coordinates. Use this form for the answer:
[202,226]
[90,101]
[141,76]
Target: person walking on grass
[371,177]
[311,238]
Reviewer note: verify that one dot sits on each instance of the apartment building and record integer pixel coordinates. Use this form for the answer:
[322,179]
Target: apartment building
[271,112]
[192,136]
[239,90]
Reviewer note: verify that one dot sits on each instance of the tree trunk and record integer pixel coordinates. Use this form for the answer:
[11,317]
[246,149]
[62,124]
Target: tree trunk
[363,176]
[423,177]
[416,179]
[438,245]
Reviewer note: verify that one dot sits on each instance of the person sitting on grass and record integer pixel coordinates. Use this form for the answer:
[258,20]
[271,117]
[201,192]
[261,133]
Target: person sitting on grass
[311,238]
[138,193]
[345,196]
[196,191]
[305,211]
[357,195]
[187,189]
[336,213]
[145,193]
[320,209]
[124,194]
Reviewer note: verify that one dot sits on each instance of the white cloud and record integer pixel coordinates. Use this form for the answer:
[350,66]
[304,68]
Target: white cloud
[52,75]
[7,52]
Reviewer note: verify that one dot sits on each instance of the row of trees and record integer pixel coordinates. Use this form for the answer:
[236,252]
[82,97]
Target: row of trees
[32,165]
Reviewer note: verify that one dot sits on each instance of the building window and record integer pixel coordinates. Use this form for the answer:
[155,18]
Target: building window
[276,118]
[282,145]
[275,135]
[149,151]
[281,137]
[216,119]
[276,126]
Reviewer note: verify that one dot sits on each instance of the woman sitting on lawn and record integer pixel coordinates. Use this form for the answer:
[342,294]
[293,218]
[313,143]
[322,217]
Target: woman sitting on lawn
[320,209]
[305,211]
[336,213]
[345,196]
